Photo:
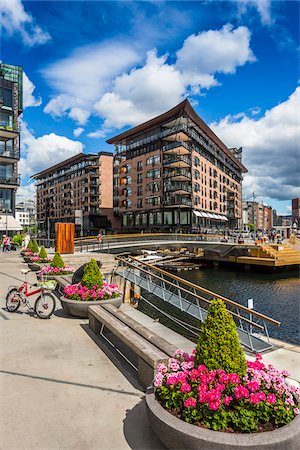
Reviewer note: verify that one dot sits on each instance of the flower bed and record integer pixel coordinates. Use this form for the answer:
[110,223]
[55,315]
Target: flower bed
[38,259]
[220,401]
[79,292]
[55,271]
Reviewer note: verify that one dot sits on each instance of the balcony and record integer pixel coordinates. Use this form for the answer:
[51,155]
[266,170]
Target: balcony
[177,161]
[178,200]
[9,153]
[10,181]
[8,131]
[178,188]
[178,174]
[176,148]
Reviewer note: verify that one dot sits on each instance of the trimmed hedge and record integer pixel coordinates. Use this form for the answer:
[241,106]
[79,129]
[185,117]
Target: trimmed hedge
[43,253]
[57,261]
[35,247]
[218,345]
[92,275]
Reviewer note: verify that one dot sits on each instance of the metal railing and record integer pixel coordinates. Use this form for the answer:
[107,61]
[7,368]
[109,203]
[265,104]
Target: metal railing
[195,300]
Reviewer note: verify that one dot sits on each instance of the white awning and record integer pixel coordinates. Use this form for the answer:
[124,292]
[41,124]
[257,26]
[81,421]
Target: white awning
[9,223]
[205,214]
[224,218]
[198,213]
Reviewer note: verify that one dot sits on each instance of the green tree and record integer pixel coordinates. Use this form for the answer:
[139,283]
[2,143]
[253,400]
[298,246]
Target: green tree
[29,245]
[43,253]
[35,247]
[218,345]
[57,261]
[92,275]
[17,239]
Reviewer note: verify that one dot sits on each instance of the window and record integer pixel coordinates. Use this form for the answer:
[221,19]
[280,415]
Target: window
[153,200]
[140,178]
[140,190]
[140,203]
[196,161]
[153,187]
[196,200]
[139,165]
[196,187]
[154,173]
[153,160]
[196,174]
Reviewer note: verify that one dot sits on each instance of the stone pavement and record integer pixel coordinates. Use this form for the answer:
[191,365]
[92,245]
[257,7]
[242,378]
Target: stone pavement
[60,389]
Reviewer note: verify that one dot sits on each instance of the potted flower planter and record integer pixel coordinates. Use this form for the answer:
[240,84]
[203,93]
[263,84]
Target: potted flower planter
[178,434]
[79,308]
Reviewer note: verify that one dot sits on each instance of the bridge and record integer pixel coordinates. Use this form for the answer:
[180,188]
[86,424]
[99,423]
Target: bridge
[194,300]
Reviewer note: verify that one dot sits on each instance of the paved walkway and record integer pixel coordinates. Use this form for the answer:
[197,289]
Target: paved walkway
[59,389]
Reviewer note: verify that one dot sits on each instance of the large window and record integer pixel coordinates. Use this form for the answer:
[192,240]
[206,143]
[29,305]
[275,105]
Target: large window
[154,173]
[153,160]
[168,218]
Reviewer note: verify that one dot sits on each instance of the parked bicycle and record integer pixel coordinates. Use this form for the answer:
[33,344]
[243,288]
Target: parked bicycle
[44,305]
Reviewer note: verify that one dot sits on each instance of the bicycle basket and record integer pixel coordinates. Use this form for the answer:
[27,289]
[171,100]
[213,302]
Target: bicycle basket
[50,284]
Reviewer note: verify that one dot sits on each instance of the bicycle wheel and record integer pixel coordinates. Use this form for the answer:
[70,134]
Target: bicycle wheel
[13,300]
[45,305]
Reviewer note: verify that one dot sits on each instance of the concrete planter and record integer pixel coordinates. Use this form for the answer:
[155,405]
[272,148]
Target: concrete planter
[34,266]
[177,434]
[80,308]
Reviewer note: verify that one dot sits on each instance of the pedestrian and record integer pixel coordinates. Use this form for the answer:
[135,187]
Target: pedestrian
[6,243]
[100,239]
[26,240]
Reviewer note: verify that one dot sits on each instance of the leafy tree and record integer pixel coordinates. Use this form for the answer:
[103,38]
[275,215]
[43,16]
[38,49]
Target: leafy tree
[57,261]
[43,253]
[92,275]
[35,247]
[17,239]
[218,345]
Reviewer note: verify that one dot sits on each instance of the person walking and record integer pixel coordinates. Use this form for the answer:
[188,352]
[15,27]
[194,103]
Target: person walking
[26,240]
[100,239]
[6,243]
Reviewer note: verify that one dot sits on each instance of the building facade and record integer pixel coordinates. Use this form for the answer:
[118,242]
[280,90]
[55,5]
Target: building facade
[77,190]
[11,106]
[296,211]
[258,214]
[173,172]
[26,213]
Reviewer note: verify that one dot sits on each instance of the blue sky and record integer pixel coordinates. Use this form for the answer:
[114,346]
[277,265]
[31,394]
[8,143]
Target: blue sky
[94,69]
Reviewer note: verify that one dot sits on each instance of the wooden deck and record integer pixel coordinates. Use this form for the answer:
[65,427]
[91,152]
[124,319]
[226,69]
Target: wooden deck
[277,256]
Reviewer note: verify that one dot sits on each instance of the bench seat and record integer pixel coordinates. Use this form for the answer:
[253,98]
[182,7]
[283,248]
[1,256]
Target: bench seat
[149,355]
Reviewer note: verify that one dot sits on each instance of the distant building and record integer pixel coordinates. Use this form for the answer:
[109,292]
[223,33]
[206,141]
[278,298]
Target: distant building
[296,211]
[11,106]
[78,186]
[258,214]
[26,213]
[172,172]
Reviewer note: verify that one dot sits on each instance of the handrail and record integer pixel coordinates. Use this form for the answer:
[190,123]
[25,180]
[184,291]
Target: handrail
[187,291]
[213,294]
[126,235]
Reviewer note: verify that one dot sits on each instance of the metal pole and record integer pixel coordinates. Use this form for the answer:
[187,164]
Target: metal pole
[254,218]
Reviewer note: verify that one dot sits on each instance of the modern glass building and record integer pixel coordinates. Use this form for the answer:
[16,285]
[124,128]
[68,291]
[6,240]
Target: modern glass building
[11,106]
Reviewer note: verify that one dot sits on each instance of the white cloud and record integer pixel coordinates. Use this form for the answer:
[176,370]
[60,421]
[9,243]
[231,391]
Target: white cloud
[78,131]
[263,8]
[101,79]
[96,134]
[15,20]
[142,93]
[26,192]
[44,151]
[271,148]
[81,78]
[213,51]
[28,97]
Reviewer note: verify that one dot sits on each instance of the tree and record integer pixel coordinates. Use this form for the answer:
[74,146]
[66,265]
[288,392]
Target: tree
[218,345]
[43,253]
[92,275]
[57,261]
[35,247]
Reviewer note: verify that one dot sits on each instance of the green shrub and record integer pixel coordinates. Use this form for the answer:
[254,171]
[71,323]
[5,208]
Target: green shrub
[218,343]
[17,239]
[92,275]
[43,253]
[35,247]
[57,261]
[29,245]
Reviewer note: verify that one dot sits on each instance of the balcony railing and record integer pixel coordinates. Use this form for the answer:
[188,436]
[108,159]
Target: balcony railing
[175,186]
[11,181]
[9,127]
[9,153]
[175,144]
[174,159]
[178,200]
[178,173]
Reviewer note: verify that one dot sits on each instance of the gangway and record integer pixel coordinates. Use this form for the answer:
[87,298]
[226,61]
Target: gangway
[195,300]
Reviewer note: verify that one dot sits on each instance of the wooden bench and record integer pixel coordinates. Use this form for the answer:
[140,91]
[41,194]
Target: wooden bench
[150,348]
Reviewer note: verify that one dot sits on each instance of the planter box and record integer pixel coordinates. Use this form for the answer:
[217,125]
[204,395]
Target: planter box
[177,434]
[80,308]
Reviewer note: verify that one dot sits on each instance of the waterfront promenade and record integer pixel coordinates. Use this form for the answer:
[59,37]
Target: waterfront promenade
[63,388]
[59,390]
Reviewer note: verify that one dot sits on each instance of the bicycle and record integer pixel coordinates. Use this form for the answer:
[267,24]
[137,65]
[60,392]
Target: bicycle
[44,305]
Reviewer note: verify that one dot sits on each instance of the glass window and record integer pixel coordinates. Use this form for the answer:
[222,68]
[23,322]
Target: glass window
[139,165]
[168,218]
[7,97]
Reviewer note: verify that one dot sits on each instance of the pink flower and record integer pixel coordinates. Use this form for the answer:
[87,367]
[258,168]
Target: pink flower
[253,386]
[240,392]
[190,402]
[271,398]
[296,411]
[158,379]
[258,356]
[213,406]
[186,387]
[227,400]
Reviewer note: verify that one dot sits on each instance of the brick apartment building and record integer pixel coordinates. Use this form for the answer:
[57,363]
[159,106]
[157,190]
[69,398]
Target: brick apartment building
[173,172]
[11,106]
[81,183]
[258,214]
[296,211]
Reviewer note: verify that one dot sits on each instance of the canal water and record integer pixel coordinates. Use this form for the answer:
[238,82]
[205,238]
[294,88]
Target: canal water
[275,294]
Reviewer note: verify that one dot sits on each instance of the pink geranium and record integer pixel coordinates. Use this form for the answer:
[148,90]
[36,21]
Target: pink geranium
[79,292]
